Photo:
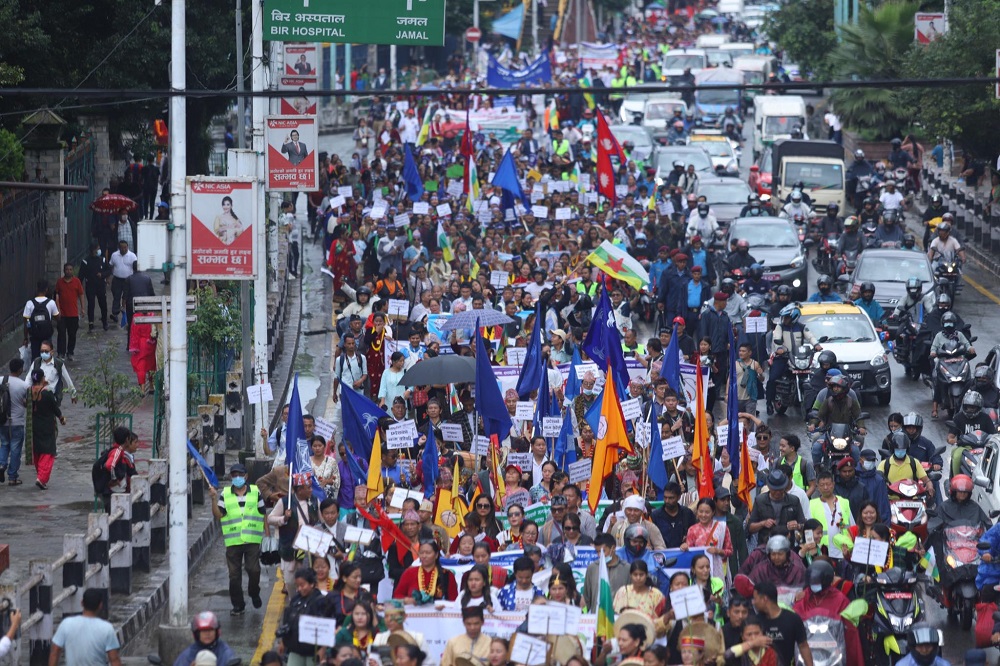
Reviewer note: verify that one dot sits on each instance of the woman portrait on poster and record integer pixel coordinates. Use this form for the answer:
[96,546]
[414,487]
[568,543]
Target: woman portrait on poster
[227,225]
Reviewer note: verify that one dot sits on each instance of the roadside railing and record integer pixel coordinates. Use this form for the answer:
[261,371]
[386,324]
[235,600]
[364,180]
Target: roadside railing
[980,231]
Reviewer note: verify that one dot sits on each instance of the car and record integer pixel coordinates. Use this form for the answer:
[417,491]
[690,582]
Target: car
[889,269]
[719,58]
[764,166]
[634,103]
[677,60]
[774,242]
[719,148]
[639,136]
[658,111]
[726,196]
[986,477]
[665,156]
[847,331]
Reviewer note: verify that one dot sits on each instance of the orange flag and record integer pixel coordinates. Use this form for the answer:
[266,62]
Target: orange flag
[748,477]
[612,439]
[700,456]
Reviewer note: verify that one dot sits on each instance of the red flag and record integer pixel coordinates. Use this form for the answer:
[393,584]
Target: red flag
[465,148]
[700,456]
[607,146]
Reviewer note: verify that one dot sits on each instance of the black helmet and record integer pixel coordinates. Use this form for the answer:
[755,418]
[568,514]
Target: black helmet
[832,208]
[820,573]
[949,321]
[728,285]
[944,301]
[944,226]
[827,357]
[756,271]
[899,440]
[972,404]
[869,201]
[824,280]
[896,143]
[868,286]
[838,385]
[909,241]
[983,375]
[364,291]
[784,290]
[889,216]
[914,286]
[924,634]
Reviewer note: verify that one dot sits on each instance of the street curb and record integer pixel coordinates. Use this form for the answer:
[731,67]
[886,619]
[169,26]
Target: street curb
[278,404]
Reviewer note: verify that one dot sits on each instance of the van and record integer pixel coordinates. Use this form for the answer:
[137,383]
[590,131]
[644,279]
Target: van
[718,93]
[675,61]
[710,41]
[818,165]
[756,69]
[659,110]
[775,116]
[733,7]
[738,49]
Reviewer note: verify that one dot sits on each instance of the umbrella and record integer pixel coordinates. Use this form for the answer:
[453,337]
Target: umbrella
[468,319]
[720,20]
[449,369]
[113,203]
[707,14]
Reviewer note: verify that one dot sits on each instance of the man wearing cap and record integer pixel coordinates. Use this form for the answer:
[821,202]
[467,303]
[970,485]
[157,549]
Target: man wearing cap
[673,286]
[635,514]
[241,510]
[561,351]
[288,516]
[698,293]
[715,325]
[775,508]
[848,487]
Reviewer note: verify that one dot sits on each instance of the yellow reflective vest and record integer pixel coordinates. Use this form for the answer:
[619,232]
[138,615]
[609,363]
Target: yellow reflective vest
[244,524]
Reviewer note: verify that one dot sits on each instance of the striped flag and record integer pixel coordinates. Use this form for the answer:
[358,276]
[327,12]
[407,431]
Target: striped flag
[701,458]
[425,126]
[605,602]
[471,185]
[444,243]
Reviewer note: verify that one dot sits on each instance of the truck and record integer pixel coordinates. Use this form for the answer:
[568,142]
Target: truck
[819,165]
[775,117]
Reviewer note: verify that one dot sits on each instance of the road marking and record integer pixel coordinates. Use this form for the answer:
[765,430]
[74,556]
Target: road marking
[981,289]
[275,606]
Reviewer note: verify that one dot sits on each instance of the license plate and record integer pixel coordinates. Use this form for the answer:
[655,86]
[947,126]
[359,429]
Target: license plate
[909,505]
[859,376]
[772,277]
[898,595]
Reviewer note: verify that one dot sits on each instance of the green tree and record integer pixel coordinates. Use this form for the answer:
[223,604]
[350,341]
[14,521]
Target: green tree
[874,49]
[11,156]
[965,114]
[804,30]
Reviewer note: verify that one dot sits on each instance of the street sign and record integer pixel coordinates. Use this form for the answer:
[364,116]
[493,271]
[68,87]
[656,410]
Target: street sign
[473,34]
[413,22]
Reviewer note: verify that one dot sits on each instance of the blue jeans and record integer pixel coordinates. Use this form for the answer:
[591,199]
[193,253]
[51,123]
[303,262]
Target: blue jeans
[11,444]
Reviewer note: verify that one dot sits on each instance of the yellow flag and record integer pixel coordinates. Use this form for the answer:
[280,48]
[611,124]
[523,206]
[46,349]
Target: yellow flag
[376,484]
[612,440]
[451,507]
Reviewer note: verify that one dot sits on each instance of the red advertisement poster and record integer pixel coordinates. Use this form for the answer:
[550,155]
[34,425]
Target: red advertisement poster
[292,159]
[300,60]
[221,240]
[300,103]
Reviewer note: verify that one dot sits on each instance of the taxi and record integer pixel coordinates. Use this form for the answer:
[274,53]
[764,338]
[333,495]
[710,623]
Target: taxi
[719,147]
[847,331]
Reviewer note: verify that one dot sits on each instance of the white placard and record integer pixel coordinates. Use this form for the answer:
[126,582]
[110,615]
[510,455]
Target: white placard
[580,470]
[398,436]
[358,535]
[585,181]
[482,446]
[377,196]
[499,278]
[687,601]
[756,324]
[421,208]
[265,392]
[399,495]
[455,188]
[338,201]
[621,190]
[443,210]
[451,432]
[378,211]
[528,650]
[545,619]
[399,307]
[551,426]
[524,411]
[324,428]
[564,213]
[541,212]
[346,191]
[869,551]
[673,447]
[312,540]
[722,434]
[258,393]
[522,460]
[536,196]
[663,208]
[644,433]
[632,409]
[402,106]
[317,630]
[401,220]
[516,355]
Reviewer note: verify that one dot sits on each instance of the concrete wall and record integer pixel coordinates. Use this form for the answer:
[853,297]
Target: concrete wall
[50,164]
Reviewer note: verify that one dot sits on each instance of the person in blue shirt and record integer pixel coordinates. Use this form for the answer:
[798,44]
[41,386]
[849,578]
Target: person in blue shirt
[868,303]
[988,573]
[698,253]
[657,267]
[392,470]
[826,294]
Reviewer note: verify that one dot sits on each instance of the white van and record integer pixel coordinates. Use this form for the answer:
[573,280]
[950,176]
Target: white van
[675,61]
[738,49]
[733,7]
[756,69]
[775,116]
[711,41]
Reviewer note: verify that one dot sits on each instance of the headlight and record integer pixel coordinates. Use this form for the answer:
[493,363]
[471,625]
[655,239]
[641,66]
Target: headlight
[796,283]
[797,261]
[879,360]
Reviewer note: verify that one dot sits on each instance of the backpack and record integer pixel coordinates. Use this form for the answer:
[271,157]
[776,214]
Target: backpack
[5,400]
[100,475]
[40,321]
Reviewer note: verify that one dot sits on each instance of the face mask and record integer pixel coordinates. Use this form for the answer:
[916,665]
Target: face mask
[899,454]
[607,559]
[868,465]
[46,356]
[239,482]
[590,391]
[98,253]
[816,589]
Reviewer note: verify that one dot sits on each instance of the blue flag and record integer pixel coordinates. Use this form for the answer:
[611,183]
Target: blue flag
[544,404]
[358,470]
[430,463]
[733,411]
[534,364]
[671,368]
[489,401]
[297,453]
[604,344]
[205,467]
[506,179]
[573,382]
[657,470]
[565,448]
[411,175]
[361,419]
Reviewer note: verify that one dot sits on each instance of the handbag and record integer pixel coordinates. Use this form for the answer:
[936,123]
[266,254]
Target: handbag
[269,553]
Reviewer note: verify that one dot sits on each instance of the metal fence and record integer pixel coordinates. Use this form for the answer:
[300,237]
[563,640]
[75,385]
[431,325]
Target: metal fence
[980,230]
[80,170]
[22,255]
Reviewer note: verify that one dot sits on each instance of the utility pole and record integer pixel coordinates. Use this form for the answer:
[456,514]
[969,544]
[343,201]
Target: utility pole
[246,343]
[260,284]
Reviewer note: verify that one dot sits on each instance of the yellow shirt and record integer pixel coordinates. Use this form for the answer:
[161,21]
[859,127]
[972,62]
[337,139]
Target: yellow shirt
[897,471]
[462,646]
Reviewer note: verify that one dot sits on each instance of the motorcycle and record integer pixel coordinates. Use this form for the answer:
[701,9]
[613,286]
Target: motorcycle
[908,503]
[956,546]
[901,176]
[825,636]
[968,450]
[868,230]
[896,606]
[949,277]
[847,263]
[953,375]
[838,441]
[790,387]
[825,252]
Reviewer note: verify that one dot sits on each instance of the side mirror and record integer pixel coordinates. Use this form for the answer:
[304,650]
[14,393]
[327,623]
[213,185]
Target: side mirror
[981,481]
[809,242]
[844,278]
[154,659]
[951,424]
[995,514]
[862,416]
[934,476]
[940,450]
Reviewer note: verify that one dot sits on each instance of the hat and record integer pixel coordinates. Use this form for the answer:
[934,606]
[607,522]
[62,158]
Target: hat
[412,516]
[634,502]
[721,296]
[868,454]
[558,331]
[205,658]
[777,480]
[723,493]
[680,321]
[354,317]
[427,505]
[401,638]
[680,256]
[674,252]
[695,239]
[664,248]
[696,269]
[511,393]
[689,641]
[237,469]
[633,616]
[511,466]
[846,462]
[163,204]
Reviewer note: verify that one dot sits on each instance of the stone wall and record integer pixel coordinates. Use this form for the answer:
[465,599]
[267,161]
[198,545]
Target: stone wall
[49,163]
[98,129]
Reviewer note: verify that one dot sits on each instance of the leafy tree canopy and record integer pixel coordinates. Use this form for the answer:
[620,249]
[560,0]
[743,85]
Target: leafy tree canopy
[804,30]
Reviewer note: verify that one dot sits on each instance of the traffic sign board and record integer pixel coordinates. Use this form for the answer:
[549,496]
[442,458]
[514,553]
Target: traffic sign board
[473,34]
[413,22]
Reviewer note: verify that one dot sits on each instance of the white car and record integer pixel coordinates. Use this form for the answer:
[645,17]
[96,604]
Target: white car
[719,148]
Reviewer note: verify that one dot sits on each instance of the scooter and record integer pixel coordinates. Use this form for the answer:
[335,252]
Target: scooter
[968,450]
[956,548]
[953,375]
[896,607]
[908,503]
[825,636]
[790,387]
[905,347]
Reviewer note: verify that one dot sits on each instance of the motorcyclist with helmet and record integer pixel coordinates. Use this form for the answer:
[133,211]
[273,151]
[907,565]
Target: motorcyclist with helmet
[831,224]
[731,125]
[789,333]
[825,293]
[825,361]
[920,448]
[934,319]
[736,305]
[677,134]
[945,247]
[959,509]
[983,383]
[207,635]
[971,418]
[868,303]
[901,465]
[949,338]
[852,240]
[838,407]
[753,207]
[781,567]
[796,208]
[934,211]
[859,169]
[702,223]
[898,158]
[800,188]
[925,647]
[888,232]
[755,282]
[909,242]
[741,258]
[869,212]
[636,540]
[782,297]
[915,296]
[822,597]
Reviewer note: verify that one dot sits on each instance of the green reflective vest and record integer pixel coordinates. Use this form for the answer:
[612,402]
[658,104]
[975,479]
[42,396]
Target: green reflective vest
[798,471]
[817,508]
[243,524]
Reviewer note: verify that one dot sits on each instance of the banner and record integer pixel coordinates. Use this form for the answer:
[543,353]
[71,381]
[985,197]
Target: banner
[300,60]
[221,240]
[598,56]
[301,104]
[928,27]
[537,71]
[292,158]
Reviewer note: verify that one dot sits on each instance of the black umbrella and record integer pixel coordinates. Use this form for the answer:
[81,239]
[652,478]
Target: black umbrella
[448,369]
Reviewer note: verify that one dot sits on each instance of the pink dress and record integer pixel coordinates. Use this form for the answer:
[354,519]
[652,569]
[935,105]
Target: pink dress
[716,535]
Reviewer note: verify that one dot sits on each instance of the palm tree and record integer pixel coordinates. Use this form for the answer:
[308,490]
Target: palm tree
[874,49]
